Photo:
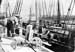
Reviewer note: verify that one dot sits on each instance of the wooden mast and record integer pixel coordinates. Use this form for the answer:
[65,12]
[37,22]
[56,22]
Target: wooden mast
[39,10]
[58,17]
[45,7]
[36,9]
[30,15]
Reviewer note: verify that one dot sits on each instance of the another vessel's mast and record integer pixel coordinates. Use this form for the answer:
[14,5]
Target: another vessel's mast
[17,8]
[36,9]
[39,10]
[30,15]
[49,9]
[58,17]
[45,8]
[7,9]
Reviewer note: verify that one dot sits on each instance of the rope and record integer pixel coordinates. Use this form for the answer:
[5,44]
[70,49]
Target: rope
[2,48]
[69,8]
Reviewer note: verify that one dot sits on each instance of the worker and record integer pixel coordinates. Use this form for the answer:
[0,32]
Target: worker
[10,27]
[11,23]
[40,27]
[45,34]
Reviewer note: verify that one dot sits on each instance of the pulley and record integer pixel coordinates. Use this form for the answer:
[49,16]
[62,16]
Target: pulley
[37,41]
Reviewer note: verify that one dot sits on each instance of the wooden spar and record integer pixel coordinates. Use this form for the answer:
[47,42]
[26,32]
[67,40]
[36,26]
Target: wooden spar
[69,7]
[20,5]
[30,15]
[53,8]
[39,10]
[58,17]
[7,6]
[36,9]
[50,8]
[14,11]
[43,16]
[62,10]
[9,10]
[68,11]
[45,7]
[73,5]
[17,8]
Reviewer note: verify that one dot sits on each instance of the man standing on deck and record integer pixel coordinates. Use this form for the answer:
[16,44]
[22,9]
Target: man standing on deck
[11,22]
[9,27]
[40,27]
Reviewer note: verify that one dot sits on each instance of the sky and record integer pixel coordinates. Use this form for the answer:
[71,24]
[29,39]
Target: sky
[27,4]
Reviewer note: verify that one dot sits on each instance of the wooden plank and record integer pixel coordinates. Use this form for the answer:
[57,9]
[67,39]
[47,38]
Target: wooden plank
[46,43]
[47,49]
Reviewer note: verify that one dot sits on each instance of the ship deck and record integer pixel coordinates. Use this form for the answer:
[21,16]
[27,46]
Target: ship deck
[5,45]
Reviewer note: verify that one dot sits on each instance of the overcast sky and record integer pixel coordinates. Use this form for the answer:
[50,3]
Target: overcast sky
[27,4]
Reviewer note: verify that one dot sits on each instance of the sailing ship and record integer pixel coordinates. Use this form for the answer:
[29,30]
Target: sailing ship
[9,44]
[58,33]
[61,35]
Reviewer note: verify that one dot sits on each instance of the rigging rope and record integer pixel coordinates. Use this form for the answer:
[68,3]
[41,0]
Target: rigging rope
[46,13]
[69,8]
[68,12]
[50,8]
[72,9]
[62,9]
[43,8]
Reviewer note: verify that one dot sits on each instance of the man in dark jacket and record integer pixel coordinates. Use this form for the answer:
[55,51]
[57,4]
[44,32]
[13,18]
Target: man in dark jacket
[10,27]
